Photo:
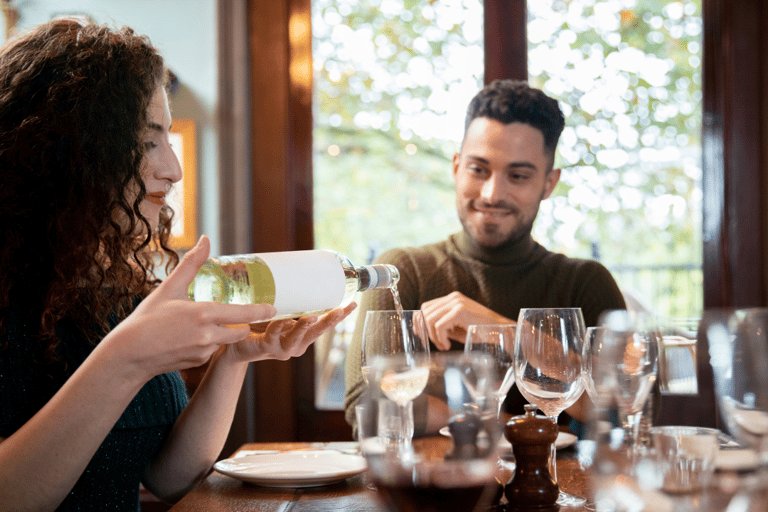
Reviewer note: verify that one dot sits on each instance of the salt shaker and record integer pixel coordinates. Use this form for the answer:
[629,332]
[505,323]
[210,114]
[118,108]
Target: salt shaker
[532,486]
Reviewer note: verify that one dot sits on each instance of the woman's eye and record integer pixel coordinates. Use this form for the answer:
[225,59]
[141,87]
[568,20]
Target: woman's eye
[150,144]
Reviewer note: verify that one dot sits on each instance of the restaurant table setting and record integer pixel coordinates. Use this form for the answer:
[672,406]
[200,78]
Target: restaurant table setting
[475,463]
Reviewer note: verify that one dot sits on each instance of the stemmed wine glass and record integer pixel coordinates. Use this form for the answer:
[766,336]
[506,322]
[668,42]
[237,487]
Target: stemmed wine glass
[401,340]
[632,340]
[738,350]
[548,366]
[598,372]
[497,342]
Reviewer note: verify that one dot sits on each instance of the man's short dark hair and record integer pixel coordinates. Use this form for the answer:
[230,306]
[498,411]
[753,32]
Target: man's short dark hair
[514,101]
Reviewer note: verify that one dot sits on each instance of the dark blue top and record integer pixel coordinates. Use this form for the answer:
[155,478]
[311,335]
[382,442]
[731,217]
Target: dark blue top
[111,479]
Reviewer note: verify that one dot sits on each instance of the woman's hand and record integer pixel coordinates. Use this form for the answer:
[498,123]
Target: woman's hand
[283,339]
[168,332]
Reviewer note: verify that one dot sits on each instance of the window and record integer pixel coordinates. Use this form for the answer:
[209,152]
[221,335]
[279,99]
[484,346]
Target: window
[392,81]
[628,77]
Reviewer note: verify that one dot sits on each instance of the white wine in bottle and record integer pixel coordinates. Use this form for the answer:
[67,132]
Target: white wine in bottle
[296,283]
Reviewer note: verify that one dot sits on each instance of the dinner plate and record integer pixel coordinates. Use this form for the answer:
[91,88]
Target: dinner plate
[736,459]
[564,439]
[303,468]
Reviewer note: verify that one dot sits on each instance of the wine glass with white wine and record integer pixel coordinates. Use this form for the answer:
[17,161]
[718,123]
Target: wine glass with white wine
[401,341]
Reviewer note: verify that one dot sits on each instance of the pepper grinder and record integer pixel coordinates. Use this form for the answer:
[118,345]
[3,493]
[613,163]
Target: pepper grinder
[532,486]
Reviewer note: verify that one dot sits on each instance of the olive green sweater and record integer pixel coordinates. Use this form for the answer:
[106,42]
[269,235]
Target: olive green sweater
[523,275]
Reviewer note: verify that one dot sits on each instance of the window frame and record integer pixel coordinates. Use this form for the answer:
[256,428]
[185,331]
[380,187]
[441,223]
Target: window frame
[735,166]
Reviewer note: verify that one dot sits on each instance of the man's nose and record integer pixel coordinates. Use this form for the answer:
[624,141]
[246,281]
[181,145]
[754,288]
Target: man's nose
[493,189]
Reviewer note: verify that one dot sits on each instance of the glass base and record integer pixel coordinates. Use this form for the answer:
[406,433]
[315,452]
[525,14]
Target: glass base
[569,500]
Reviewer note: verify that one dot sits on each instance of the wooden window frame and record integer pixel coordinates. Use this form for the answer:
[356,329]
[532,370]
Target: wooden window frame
[278,173]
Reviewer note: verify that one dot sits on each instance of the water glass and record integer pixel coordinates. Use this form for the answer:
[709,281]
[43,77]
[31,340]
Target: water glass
[685,457]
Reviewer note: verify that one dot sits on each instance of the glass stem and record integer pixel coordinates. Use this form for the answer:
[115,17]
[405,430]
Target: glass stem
[553,452]
[406,429]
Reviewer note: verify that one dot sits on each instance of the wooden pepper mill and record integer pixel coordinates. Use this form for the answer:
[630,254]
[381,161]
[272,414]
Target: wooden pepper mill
[532,486]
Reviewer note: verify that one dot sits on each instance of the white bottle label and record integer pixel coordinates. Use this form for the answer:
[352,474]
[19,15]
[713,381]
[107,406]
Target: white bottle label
[305,280]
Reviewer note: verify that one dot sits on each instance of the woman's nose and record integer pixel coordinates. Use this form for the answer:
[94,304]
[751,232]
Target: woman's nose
[171,168]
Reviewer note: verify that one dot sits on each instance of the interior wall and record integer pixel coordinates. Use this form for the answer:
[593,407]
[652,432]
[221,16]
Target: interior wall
[185,32]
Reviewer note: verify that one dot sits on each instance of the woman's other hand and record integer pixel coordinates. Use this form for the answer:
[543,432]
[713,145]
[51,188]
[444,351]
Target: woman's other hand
[283,339]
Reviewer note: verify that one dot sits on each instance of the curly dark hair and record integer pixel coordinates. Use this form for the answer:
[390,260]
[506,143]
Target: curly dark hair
[73,108]
[514,101]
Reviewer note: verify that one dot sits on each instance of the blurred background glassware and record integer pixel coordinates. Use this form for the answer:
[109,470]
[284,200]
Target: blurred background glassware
[677,356]
[685,457]
[404,334]
[633,340]
[497,342]
[738,350]
[599,377]
[458,470]
[548,366]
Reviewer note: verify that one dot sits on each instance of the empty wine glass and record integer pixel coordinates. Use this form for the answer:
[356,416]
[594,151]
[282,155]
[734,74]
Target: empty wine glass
[401,338]
[738,350]
[632,339]
[548,366]
[498,343]
[456,473]
[599,377]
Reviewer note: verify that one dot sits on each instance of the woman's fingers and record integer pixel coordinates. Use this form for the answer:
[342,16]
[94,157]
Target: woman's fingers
[177,283]
[222,314]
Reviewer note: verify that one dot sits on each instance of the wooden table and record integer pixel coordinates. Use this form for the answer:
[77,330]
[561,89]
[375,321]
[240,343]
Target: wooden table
[219,493]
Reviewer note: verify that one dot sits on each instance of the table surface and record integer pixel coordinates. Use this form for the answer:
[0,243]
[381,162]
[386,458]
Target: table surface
[222,493]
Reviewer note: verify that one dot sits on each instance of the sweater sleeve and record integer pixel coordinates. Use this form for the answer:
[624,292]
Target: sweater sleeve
[596,291]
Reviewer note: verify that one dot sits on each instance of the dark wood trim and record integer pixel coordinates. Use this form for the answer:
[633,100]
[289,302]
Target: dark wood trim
[272,143]
[734,153]
[235,173]
[505,39]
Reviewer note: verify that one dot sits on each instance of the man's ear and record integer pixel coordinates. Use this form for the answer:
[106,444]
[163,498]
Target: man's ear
[550,182]
[455,165]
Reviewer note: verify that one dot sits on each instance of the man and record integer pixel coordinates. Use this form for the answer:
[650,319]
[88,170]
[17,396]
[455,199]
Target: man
[491,269]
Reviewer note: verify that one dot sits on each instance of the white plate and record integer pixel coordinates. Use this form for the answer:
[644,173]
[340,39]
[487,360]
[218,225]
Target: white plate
[564,439]
[736,459]
[308,468]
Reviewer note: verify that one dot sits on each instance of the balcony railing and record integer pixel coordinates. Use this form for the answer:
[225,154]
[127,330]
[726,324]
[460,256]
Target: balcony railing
[671,290]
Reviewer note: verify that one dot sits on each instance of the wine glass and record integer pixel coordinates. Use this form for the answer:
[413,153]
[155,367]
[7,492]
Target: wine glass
[457,472]
[401,338]
[738,350]
[632,339]
[598,374]
[497,342]
[548,366]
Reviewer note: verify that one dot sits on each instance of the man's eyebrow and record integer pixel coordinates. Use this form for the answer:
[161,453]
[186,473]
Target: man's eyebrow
[510,165]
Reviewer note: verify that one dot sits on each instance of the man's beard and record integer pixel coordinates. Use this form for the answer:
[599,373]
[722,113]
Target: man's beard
[498,240]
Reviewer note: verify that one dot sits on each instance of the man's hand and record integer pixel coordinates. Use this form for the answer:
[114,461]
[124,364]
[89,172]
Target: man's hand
[448,318]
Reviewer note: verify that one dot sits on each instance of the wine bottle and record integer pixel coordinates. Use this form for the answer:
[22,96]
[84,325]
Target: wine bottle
[296,283]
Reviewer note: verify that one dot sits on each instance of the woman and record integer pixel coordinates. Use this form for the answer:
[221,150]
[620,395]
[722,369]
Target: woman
[91,401]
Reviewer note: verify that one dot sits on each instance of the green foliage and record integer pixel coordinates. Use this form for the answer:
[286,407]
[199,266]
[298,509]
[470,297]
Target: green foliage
[392,81]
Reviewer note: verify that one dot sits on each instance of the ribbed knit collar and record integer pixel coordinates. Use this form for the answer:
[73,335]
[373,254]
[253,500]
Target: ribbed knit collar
[521,253]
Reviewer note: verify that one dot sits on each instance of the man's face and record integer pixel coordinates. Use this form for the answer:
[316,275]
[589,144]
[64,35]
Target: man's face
[501,177]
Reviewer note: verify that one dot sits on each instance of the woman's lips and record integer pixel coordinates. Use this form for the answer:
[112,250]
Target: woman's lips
[156,197]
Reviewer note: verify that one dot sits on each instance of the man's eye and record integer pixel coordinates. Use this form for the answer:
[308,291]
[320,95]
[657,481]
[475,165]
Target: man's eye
[150,144]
